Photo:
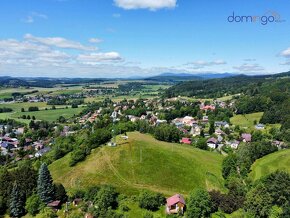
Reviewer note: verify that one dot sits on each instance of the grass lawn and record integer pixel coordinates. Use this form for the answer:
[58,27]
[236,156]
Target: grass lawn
[142,162]
[246,120]
[270,163]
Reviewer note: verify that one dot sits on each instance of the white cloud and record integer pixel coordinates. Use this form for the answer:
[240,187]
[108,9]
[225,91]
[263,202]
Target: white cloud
[145,4]
[201,63]
[34,15]
[32,58]
[286,52]
[95,40]
[58,42]
[24,53]
[95,58]
[249,68]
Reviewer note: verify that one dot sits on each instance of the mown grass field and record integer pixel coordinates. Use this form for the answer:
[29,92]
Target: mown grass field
[142,162]
[246,120]
[47,115]
[270,163]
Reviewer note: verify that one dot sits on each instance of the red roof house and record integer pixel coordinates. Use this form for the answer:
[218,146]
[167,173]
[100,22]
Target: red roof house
[208,107]
[175,204]
[185,141]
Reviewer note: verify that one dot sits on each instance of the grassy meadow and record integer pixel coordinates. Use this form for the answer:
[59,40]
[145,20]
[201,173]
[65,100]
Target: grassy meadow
[141,162]
[246,120]
[270,163]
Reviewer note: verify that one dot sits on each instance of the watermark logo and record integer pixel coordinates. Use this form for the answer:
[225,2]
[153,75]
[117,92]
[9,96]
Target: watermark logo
[268,17]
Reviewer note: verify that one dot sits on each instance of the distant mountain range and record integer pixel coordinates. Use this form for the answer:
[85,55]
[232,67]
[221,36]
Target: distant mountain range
[175,77]
[164,77]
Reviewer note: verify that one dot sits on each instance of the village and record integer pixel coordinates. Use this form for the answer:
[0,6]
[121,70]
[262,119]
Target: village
[219,133]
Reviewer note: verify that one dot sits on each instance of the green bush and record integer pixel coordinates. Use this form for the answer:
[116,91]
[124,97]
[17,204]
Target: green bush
[151,201]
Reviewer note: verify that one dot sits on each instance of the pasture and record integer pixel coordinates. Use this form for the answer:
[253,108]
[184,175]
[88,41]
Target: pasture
[141,162]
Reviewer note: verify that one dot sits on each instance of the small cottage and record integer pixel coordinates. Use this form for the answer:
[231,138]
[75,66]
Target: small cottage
[175,204]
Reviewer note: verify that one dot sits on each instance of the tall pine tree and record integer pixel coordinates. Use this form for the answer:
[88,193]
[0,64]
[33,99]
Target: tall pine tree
[45,186]
[17,202]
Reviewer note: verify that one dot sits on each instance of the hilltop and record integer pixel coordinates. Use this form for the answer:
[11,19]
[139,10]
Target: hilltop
[142,162]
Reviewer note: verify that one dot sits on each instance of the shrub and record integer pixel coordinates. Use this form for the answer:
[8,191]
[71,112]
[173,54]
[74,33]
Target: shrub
[151,201]
[33,109]
[77,156]
[34,204]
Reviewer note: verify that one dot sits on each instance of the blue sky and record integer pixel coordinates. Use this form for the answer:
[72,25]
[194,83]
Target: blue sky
[121,38]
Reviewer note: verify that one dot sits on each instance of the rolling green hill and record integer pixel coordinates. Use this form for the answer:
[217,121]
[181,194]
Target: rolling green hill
[141,162]
[276,161]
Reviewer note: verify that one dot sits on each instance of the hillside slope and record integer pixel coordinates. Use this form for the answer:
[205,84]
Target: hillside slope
[142,162]
[270,163]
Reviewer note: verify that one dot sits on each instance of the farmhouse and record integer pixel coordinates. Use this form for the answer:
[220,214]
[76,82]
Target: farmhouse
[175,204]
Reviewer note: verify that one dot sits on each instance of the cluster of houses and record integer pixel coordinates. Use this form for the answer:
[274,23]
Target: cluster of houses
[10,145]
[188,125]
[91,117]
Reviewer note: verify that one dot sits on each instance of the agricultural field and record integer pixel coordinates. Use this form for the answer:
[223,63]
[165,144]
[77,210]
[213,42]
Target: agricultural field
[16,107]
[57,90]
[141,162]
[42,114]
[50,115]
[276,161]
